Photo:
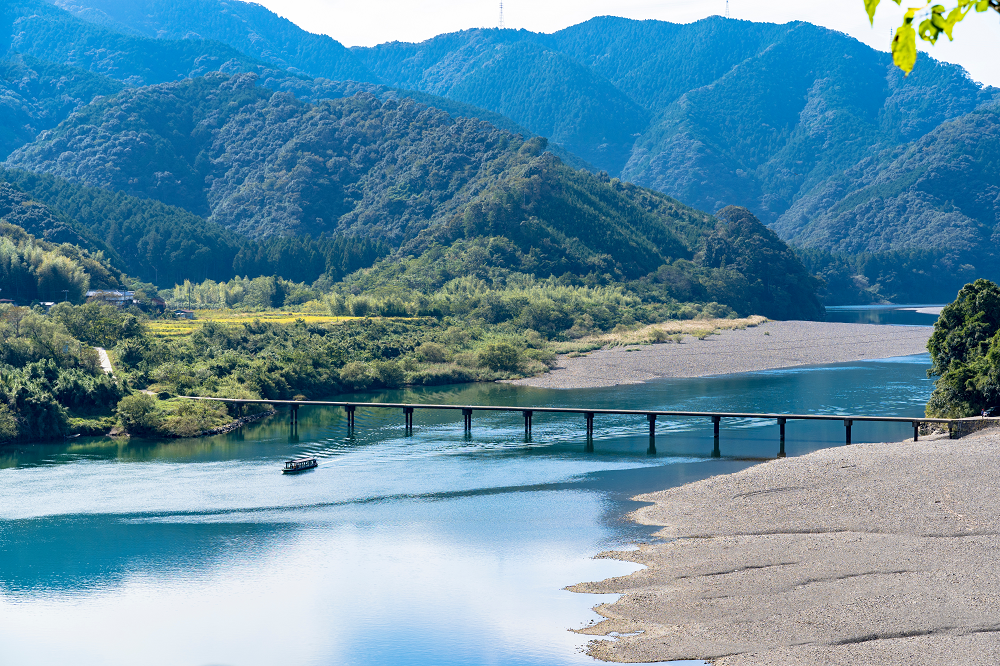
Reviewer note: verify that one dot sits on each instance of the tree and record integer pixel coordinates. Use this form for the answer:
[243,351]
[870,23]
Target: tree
[965,353]
[933,21]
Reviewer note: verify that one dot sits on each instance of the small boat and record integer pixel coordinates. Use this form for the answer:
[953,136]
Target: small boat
[299,465]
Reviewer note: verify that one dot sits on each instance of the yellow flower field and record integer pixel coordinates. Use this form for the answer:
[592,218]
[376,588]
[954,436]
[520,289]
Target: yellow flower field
[177,328]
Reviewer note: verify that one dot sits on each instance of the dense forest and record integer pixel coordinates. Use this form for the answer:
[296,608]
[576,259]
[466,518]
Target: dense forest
[830,144]
[407,208]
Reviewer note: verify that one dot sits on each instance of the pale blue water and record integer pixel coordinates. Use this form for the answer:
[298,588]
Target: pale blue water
[430,549]
[905,315]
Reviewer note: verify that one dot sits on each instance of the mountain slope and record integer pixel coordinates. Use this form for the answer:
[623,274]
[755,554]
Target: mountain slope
[262,162]
[246,27]
[515,74]
[265,164]
[942,191]
[35,96]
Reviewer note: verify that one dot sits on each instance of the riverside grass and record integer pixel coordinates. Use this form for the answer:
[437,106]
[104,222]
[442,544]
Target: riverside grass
[669,331]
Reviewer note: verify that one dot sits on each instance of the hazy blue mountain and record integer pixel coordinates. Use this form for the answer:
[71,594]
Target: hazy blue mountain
[941,191]
[247,27]
[716,112]
[513,72]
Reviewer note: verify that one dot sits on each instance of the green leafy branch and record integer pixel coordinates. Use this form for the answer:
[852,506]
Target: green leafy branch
[933,21]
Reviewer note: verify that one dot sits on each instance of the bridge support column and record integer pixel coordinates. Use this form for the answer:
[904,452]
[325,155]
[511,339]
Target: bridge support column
[652,434]
[847,426]
[467,420]
[527,424]
[590,424]
[916,431]
[408,420]
[715,427]
[350,416]
[781,438]
[293,415]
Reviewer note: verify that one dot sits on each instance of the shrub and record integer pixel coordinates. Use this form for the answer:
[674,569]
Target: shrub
[356,375]
[500,357]
[431,352]
[360,307]
[138,414]
[389,374]
[658,335]
[8,424]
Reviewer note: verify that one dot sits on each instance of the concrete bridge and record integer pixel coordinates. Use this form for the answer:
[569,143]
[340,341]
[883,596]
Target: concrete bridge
[528,413]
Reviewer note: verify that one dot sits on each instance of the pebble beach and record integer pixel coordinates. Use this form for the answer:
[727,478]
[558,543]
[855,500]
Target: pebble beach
[768,346]
[868,554]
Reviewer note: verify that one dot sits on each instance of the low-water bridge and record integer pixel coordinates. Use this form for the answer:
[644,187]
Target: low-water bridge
[589,415]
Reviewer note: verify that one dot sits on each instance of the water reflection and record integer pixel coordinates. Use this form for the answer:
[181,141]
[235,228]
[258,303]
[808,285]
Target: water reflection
[900,315]
[435,548]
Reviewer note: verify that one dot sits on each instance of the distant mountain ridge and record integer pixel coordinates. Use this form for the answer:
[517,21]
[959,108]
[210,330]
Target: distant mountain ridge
[716,112]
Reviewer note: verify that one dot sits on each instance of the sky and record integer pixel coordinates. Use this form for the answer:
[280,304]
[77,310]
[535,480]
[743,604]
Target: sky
[369,22]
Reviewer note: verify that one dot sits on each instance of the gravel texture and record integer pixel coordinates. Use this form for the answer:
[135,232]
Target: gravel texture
[868,554]
[775,344]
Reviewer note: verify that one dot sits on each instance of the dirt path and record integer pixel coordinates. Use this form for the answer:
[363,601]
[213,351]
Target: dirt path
[105,361]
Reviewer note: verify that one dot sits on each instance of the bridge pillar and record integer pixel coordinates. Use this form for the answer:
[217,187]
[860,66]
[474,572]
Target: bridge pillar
[350,416]
[781,438]
[408,420]
[590,423]
[847,426]
[293,415]
[715,427]
[527,424]
[916,430]
[467,419]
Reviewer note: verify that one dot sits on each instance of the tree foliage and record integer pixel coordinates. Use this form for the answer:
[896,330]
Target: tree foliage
[965,353]
[932,20]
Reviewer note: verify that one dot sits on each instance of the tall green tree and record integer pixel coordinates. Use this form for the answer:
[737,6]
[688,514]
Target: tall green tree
[965,352]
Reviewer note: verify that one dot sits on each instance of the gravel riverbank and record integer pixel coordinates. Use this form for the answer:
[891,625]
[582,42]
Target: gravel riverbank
[868,554]
[772,345]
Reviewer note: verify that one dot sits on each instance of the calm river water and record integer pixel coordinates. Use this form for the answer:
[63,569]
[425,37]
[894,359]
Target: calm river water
[431,549]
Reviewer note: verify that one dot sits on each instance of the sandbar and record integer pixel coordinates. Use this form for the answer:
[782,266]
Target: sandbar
[866,554]
[769,346]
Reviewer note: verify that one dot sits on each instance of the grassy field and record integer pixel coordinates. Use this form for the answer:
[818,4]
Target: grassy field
[178,328]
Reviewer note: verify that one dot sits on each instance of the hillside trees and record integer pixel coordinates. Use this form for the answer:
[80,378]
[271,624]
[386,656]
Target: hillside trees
[47,377]
[37,271]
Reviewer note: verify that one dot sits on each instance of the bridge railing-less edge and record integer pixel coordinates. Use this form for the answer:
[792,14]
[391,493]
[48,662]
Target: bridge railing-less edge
[956,427]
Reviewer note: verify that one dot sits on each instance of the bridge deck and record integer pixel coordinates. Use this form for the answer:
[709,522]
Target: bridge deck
[583,410]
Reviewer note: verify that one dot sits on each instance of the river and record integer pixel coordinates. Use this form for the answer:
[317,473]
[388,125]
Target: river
[431,549]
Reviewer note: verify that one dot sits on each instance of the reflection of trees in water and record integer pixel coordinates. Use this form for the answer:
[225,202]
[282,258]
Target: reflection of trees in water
[81,554]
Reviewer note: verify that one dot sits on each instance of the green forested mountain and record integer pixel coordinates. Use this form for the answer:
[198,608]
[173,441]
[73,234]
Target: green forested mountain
[814,133]
[773,117]
[263,163]
[457,194]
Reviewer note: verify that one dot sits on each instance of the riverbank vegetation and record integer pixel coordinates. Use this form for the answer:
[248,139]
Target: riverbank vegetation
[52,384]
[965,351]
